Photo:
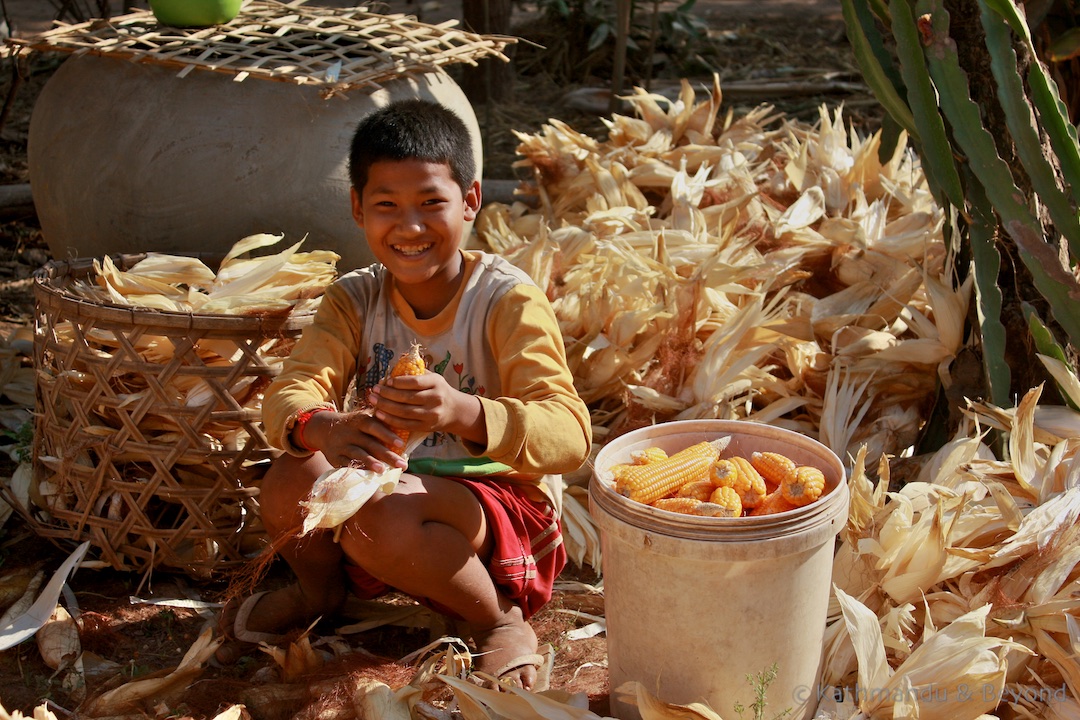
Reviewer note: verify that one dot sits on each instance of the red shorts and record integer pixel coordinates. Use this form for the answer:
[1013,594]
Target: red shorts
[528,553]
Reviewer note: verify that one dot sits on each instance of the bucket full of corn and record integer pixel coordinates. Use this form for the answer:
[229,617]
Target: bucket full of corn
[698,604]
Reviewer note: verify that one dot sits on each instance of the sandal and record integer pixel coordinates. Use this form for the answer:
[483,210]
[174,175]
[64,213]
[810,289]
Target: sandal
[239,625]
[543,660]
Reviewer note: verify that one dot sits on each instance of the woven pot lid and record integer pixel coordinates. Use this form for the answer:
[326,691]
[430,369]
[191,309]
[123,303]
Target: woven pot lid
[335,49]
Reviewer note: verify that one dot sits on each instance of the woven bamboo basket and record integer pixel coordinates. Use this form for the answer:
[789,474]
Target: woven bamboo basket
[121,458]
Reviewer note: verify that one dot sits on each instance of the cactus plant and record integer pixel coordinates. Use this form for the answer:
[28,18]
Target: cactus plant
[964,80]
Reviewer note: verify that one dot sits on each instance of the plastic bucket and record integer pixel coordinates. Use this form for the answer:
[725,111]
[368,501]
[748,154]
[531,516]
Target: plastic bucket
[695,604]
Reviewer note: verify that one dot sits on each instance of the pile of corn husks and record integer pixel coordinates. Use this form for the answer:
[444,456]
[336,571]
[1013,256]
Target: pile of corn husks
[287,281]
[958,595]
[706,266]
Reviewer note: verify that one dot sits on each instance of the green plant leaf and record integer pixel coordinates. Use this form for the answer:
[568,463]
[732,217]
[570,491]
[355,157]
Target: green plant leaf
[1021,122]
[880,9]
[1065,46]
[1053,114]
[986,261]
[1047,345]
[875,64]
[937,152]
[890,136]
[1058,287]
[599,36]
[1044,338]
[966,120]
[562,9]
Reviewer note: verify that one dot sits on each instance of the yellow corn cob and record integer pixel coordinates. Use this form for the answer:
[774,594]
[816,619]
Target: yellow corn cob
[724,473]
[805,487]
[638,457]
[648,483]
[727,501]
[737,473]
[774,502]
[648,455]
[410,363]
[711,509]
[681,505]
[692,506]
[698,489]
[774,467]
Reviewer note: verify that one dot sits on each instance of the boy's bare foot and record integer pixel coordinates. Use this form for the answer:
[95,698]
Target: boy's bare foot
[267,617]
[507,650]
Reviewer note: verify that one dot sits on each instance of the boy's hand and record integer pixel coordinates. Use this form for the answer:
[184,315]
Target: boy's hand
[427,403]
[355,438]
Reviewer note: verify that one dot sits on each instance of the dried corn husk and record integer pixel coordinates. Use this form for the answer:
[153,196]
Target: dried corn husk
[337,494]
[481,703]
[271,284]
[131,695]
[374,699]
[580,535]
[990,550]
[21,603]
[297,660]
[932,681]
[41,712]
[652,708]
[58,640]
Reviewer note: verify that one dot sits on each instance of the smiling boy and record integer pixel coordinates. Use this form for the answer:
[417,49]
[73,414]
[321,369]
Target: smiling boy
[472,528]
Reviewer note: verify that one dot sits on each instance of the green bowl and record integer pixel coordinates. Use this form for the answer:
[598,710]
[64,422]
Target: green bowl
[194,13]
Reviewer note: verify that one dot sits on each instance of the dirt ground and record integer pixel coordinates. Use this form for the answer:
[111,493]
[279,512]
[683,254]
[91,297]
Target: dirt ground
[799,46]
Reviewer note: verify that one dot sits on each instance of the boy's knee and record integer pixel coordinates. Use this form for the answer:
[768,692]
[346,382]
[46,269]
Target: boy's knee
[378,530]
[287,481]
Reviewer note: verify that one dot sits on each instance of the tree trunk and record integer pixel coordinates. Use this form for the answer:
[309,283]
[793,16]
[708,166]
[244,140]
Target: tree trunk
[491,79]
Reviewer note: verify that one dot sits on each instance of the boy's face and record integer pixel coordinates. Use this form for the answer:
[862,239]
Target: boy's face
[414,215]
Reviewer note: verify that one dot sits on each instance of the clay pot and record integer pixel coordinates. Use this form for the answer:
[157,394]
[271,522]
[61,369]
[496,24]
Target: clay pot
[128,157]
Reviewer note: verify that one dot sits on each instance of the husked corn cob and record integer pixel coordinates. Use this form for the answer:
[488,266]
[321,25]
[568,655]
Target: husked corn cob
[699,489]
[737,473]
[681,505]
[774,467]
[805,487]
[691,506]
[711,509]
[638,457]
[648,455]
[728,502]
[648,483]
[410,363]
[724,473]
[774,502]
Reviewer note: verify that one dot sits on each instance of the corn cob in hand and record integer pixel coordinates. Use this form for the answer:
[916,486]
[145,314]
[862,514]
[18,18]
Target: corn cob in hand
[410,363]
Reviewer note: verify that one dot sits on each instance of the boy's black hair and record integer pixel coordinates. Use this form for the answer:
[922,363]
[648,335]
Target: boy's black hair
[413,129]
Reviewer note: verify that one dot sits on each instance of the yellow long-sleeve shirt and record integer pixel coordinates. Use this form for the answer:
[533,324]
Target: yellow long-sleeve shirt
[498,339]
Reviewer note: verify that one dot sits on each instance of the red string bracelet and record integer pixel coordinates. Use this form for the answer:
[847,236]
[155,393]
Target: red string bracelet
[302,420]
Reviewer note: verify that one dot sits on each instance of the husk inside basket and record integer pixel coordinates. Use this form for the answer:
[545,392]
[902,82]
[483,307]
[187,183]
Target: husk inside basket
[119,458]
